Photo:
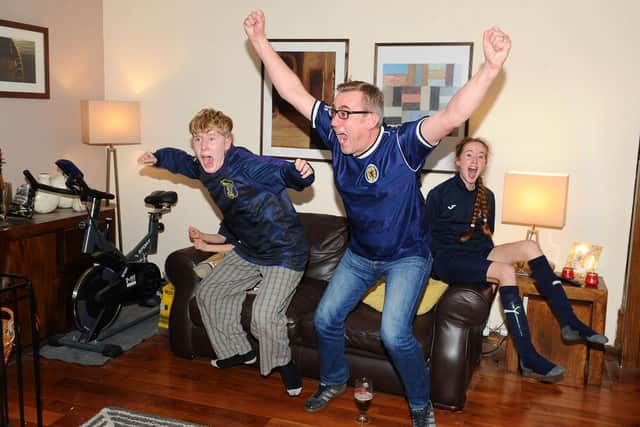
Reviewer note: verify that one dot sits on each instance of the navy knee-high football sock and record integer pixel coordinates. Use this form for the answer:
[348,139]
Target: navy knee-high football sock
[551,288]
[519,329]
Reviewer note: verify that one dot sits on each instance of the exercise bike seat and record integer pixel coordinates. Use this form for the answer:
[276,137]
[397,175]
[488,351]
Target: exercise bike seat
[161,198]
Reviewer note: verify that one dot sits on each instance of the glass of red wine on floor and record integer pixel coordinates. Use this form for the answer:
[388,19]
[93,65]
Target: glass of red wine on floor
[363,394]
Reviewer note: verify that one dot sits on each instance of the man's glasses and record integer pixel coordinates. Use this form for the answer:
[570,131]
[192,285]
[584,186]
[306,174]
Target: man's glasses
[343,114]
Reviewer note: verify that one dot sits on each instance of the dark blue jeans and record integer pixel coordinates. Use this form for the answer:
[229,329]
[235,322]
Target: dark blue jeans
[405,283]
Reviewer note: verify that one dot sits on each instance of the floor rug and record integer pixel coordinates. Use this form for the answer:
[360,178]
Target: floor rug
[126,339]
[118,417]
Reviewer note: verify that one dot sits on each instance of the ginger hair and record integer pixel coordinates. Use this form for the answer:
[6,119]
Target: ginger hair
[481,204]
[208,120]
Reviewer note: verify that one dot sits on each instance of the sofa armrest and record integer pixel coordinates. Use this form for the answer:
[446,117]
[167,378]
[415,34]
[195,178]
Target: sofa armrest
[460,316]
[179,270]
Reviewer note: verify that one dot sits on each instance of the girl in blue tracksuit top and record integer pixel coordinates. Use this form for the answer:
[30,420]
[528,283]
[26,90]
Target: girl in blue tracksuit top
[460,212]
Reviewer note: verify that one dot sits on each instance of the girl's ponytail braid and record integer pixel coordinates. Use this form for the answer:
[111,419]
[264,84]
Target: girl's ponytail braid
[480,209]
[484,206]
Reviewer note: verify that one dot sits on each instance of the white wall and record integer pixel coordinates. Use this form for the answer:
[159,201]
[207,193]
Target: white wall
[568,102]
[36,132]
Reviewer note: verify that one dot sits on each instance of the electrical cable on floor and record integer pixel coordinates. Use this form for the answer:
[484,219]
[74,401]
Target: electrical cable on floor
[496,347]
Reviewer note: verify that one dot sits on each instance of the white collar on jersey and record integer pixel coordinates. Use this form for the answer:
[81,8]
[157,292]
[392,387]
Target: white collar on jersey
[373,147]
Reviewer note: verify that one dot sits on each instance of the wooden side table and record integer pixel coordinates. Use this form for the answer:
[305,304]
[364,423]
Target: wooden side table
[48,249]
[583,364]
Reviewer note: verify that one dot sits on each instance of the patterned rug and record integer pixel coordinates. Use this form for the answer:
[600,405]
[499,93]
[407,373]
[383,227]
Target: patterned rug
[119,417]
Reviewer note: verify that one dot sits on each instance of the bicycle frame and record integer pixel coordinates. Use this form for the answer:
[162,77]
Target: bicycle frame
[116,278]
[94,238]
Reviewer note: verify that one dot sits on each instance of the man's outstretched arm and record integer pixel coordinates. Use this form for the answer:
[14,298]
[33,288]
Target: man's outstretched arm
[283,78]
[496,45]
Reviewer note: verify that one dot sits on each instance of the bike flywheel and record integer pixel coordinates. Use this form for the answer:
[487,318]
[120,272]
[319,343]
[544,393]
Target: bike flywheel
[88,314]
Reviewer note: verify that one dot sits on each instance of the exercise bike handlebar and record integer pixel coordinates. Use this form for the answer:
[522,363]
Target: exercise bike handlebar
[39,186]
[76,185]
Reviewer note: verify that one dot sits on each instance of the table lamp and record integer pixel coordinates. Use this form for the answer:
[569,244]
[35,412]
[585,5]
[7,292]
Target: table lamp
[111,123]
[535,199]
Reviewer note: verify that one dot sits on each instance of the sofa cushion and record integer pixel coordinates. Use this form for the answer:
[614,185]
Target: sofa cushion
[362,332]
[203,268]
[362,327]
[434,290]
[328,238]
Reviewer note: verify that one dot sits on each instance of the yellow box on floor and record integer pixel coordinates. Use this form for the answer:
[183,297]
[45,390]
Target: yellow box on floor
[168,291]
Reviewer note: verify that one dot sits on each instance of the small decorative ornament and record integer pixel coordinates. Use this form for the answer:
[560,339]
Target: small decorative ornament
[371,173]
[45,202]
[77,205]
[567,273]
[583,257]
[591,280]
[8,332]
[22,203]
[59,181]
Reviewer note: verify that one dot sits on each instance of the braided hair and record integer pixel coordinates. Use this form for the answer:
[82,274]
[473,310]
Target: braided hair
[481,205]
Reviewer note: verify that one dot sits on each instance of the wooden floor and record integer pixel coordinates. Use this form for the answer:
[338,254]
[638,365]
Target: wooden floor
[149,378]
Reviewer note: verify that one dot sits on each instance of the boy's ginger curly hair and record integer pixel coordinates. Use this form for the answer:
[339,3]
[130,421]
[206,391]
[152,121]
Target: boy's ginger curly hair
[209,119]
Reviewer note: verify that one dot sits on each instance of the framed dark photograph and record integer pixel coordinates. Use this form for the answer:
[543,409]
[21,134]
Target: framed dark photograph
[419,79]
[321,65]
[24,60]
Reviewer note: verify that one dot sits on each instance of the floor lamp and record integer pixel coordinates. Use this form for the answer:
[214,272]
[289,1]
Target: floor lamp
[534,199]
[111,123]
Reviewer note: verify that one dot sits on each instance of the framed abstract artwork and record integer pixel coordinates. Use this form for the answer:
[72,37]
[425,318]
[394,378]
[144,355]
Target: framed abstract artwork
[24,60]
[419,79]
[321,65]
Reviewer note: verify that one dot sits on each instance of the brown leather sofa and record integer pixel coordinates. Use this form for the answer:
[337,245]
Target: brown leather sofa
[450,334]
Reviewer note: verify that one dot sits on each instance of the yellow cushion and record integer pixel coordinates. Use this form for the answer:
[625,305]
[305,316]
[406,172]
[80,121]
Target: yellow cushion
[202,269]
[435,288]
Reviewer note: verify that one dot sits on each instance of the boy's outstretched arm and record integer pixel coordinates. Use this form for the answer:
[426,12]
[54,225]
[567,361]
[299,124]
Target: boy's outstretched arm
[173,160]
[147,159]
[496,45]
[283,78]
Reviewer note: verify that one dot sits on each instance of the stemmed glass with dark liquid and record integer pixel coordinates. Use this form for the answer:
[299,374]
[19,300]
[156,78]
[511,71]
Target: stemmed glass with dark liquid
[363,394]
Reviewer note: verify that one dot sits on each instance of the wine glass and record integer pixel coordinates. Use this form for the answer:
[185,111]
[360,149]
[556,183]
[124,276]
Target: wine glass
[363,394]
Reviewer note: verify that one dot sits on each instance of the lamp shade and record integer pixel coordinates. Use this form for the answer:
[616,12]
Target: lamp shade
[535,199]
[110,122]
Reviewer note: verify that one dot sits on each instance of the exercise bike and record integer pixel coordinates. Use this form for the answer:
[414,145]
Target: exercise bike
[116,279]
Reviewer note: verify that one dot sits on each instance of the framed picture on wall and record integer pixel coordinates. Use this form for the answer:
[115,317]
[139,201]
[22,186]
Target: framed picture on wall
[419,79]
[321,65]
[24,60]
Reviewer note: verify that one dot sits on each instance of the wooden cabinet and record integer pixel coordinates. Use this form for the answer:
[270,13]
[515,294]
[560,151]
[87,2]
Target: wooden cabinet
[48,250]
[583,363]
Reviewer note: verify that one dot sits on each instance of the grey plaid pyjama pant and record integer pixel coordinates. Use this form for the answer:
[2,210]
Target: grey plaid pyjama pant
[220,296]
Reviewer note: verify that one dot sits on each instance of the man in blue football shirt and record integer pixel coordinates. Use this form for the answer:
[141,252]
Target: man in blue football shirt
[376,170]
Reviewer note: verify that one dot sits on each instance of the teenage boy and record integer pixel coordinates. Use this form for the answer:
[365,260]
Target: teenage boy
[264,236]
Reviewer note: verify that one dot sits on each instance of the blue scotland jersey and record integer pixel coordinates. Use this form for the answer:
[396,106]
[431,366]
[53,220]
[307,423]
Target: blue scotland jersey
[381,189]
[449,212]
[250,191]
